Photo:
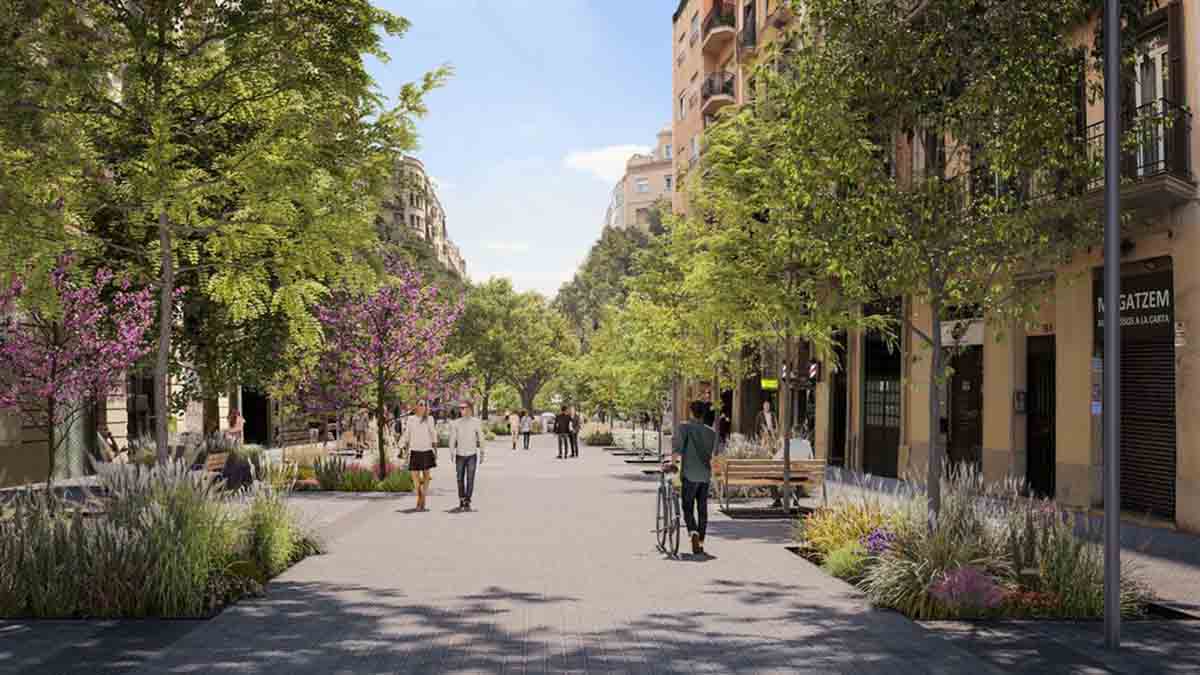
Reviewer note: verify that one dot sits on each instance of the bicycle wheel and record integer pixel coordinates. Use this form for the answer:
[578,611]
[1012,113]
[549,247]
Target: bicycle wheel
[662,519]
[676,513]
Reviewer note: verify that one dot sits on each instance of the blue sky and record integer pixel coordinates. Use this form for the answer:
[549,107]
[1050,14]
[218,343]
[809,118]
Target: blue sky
[528,137]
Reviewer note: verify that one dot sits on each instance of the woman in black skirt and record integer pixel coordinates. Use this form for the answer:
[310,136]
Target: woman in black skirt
[420,437]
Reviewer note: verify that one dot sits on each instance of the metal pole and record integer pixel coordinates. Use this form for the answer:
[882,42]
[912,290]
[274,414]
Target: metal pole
[1112,325]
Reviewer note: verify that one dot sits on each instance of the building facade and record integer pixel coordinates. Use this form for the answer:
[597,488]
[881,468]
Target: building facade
[414,210]
[716,45]
[649,178]
[1026,401]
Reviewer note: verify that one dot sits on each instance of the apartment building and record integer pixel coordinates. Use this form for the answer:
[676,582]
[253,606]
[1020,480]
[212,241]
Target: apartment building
[414,210]
[716,44]
[1027,402]
[649,178]
[715,47]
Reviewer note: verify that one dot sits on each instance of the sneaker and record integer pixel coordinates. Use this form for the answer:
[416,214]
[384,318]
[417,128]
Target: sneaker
[696,550]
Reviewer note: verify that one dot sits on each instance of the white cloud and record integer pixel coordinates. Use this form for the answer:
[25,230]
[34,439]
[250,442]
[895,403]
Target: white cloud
[607,164]
[507,246]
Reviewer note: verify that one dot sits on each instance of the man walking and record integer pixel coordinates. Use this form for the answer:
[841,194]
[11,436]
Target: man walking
[693,448]
[576,423]
[562,428]
[466,446]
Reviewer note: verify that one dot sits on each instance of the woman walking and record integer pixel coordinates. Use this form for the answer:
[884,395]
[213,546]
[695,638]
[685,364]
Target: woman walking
[420,438]
[526,427]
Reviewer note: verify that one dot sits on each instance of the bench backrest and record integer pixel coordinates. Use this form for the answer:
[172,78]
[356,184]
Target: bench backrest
[737,468]
[215,462]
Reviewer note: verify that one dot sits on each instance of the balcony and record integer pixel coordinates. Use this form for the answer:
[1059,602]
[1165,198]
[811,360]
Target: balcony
[720,28]
[1156,172]
[748,37]
[717,92]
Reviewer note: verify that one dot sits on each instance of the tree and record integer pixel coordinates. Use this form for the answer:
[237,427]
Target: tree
[381,345]
[600,280]
[986,90]
[238,144]
[486,330]
[536,347]
[57,356]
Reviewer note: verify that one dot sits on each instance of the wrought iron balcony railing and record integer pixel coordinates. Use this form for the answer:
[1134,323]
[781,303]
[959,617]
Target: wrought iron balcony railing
[1157,143]
[720,83]
[722,15]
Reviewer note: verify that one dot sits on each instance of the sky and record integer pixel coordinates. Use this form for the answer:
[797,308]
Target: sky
[525,142]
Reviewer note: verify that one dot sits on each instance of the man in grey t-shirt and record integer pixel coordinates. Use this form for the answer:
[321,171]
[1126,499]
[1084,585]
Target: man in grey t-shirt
[693,448]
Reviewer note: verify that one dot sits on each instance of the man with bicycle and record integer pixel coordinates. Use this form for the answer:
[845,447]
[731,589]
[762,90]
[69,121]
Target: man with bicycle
[693,450]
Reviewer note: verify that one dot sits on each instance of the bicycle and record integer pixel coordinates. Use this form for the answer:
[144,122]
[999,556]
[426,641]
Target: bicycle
[668,511]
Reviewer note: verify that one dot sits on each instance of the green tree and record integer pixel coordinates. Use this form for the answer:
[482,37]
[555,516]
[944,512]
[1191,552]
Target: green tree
[987,90]
[239,147]
[486,331]
[534,350]
[601,279]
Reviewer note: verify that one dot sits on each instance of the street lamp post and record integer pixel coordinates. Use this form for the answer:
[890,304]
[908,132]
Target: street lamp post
[1112,325]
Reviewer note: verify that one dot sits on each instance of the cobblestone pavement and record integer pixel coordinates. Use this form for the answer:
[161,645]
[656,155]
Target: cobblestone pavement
[555,571]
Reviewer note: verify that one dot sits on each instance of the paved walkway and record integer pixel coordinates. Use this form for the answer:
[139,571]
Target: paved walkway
[554,572]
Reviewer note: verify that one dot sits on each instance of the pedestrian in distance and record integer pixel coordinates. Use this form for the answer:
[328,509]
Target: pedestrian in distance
[562,428]
[466,446]
[514,427]
[420,438]
[576,423]
[526,428]
[693,449]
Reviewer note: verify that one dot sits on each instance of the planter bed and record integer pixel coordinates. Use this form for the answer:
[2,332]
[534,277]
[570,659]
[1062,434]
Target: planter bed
[992,555]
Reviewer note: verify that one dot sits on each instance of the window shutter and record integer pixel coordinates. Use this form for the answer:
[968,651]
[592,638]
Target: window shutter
[1177,149]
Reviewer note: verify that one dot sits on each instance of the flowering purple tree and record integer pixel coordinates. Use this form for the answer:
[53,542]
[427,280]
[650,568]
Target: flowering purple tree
[379,346]
[54,359]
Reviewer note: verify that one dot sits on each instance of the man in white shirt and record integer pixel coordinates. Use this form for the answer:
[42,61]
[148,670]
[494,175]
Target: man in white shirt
[466,446]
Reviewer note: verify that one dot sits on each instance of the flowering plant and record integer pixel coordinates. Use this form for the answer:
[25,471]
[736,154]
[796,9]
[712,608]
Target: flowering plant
[968,589]
[878,541]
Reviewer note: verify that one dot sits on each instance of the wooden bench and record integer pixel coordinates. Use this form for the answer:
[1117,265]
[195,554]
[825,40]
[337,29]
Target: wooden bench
[214,464]
[766,473]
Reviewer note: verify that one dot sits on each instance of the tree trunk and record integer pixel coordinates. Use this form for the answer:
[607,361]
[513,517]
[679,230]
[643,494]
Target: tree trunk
[380,397]
[785,421]
[934,477]
[528,393]
[166,301]
[212,413]
[487,396]
[52,440]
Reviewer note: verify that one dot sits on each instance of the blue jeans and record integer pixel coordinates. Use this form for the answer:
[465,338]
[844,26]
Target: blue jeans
[465,468]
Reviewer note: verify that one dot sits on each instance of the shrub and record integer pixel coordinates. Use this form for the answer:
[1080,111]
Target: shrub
[599,438]
[968,591]
[306,473]
[397,481]
[359,480]
[847,562]
[330,472]
[1071,569]
[169,544]
[273,532]
[878,541]
[845,522]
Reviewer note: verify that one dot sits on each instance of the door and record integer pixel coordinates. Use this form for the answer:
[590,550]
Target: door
[966,407]
[255,410]
[881,408]
[1039,416]
[1149,95]
[839,391]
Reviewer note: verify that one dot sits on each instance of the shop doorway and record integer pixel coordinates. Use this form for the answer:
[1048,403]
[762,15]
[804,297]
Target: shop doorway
[1040,406]
[839,391]
[256,411]
[881,406]
[966,407]
[1148,432]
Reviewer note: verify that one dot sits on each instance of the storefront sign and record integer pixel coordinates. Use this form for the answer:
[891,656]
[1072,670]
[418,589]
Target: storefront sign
[770,385]
[965,333]
[1147,307]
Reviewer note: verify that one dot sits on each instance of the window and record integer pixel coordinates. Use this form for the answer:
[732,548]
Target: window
[683,105]
[667,182]
[695,147]
[642,185]
[695,32]
[667,150]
